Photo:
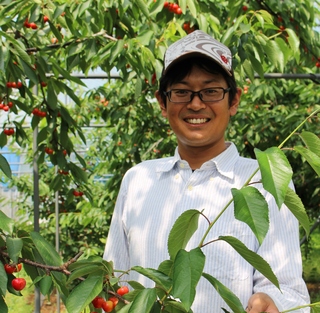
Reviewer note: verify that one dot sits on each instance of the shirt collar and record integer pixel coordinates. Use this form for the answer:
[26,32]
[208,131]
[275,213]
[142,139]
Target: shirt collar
[224,162]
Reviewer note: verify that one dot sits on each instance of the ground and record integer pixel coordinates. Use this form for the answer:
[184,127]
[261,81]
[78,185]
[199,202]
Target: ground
[49,306]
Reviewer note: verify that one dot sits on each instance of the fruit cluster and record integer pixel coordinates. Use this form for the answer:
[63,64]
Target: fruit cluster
[29,25]
[77,193]
[6,107]
[48,150]
[188,28]
[8,131]
[17,283]
[14,84]
[108,305]
[173,7]
[38,112]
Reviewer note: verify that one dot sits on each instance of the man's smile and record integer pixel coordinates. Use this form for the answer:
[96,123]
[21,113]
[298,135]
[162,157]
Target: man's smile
[197,120]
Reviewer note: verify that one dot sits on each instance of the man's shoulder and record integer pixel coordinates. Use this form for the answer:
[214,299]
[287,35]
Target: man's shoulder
[153,165]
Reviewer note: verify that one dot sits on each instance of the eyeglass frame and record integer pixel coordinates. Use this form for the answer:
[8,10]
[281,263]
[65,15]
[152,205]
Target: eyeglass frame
[198,93]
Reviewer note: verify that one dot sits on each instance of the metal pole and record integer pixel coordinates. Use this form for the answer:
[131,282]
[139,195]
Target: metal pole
[36,217]
[57,234]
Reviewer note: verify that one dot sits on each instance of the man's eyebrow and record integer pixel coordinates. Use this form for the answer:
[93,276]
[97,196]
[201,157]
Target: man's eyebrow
[184,82]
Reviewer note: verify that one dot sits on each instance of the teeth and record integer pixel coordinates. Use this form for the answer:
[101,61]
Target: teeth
[196,120]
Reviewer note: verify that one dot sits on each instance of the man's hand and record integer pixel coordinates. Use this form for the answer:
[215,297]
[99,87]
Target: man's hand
[261,302]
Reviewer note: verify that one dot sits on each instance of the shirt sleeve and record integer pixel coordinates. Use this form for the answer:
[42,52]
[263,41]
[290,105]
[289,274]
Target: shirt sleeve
[281,249]
[116,249]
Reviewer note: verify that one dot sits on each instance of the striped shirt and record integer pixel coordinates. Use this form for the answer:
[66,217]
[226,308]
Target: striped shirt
[155,193]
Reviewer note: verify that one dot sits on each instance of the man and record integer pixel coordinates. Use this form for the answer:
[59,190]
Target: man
[198,95]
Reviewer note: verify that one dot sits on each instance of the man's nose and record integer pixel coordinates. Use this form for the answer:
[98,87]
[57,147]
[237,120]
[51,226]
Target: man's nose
[196,103]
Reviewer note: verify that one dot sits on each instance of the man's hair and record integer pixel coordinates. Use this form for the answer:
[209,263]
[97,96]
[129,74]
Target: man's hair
[182,68]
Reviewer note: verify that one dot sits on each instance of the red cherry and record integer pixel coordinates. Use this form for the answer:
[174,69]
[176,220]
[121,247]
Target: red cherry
[122,290]
[33,25]
[5,108]
[9,84]
[9,268]
[318,64]
[19,265]
[18,283]
[244,8]
[178,11]
[19,84]
[108,306]
[115,300]
[45,19]
[44,84]
[97,302]
[48,150]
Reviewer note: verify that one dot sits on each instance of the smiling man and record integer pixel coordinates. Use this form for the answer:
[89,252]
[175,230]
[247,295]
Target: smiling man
[198,95]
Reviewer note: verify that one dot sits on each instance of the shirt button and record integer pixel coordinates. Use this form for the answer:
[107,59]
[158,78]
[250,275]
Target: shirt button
[190,188]
[181,165]
[211,178]
[177,176]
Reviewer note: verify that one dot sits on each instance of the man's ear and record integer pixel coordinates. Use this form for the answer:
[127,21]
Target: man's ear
[161,104]
[235,102]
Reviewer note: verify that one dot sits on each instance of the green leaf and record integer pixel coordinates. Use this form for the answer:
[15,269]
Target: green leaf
[144,301]
[3,281]
[46,285]
[191,4]
[6,223]
[251,207]
[182,230]
[253,258]
[143,7]
[312,141]
[78,172]
[276,172]
[173,306]
[3,305]
[274,54]
[83,294]
[226,294]
[247,66]
[5,167]
[295,205]
[294,43]
[46,250]
[311,158]
[158,277]
[30,73]
[86,269]
[52,98]
[166,267]
[187,270]
[14,246]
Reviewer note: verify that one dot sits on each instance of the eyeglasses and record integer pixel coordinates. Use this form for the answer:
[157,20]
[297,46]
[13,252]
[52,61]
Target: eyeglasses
[206,95]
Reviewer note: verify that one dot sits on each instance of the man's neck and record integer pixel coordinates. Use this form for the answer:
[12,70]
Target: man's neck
[196,156]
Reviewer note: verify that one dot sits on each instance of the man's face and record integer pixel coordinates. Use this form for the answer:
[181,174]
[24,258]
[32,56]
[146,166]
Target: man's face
[198,124]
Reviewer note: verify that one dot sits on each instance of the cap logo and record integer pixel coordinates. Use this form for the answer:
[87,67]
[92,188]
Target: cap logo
[201,43]
[224,59]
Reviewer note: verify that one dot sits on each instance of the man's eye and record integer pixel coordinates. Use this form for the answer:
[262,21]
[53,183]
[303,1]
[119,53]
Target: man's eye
[210,91]
[181,92]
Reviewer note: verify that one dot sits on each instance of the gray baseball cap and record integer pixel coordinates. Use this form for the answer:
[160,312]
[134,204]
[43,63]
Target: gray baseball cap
[198,42]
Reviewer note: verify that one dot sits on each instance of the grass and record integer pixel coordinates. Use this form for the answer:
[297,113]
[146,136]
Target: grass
[22,304]
[26,304]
